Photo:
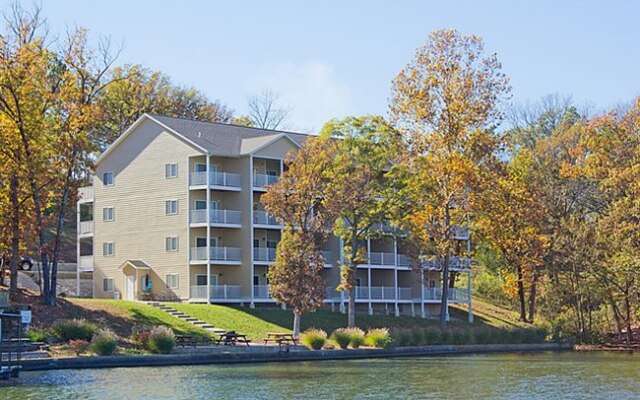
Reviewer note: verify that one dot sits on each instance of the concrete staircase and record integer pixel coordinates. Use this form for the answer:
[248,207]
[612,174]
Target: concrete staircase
[187,318]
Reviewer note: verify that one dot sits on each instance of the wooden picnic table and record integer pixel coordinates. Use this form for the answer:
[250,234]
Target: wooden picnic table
[232,339]
[280,338]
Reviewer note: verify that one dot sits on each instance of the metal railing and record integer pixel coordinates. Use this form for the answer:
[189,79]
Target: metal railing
[85,263]
[217,292]
[261,292]
[454,294]
[262,180]
[217,253]
[405,293]
[85,228]
[264,218]
[226,179]
[216,216]
[460,232]
[454,262]
[85,193]
[378,258]
[403,260]
[264,254]
[332,294]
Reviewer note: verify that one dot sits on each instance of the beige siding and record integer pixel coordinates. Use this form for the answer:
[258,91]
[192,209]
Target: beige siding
[139,196]
[278,149]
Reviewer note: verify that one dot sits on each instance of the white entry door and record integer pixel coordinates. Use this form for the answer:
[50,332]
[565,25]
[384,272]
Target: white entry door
[128,286]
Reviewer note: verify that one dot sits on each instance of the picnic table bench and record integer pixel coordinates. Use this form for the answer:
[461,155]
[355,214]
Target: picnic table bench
[280,338]
[232,339]
[186,340]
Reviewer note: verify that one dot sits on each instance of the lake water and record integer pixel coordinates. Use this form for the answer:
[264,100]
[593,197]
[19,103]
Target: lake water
[530,376]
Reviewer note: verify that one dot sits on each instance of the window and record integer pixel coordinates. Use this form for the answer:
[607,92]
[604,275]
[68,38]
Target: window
[108,214]
[202,242]
[171,170]
[201,205]
[272,173]
[108,249]
[432,284]
[171,243]
[171,207]
[172,281]
[107,285]
[201,167]
[201,280]
[358,282]
[272,244]
[107,179]
[256,280]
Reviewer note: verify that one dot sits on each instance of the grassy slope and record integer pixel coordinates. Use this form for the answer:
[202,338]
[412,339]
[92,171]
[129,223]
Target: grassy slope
[257,322]
[121,315]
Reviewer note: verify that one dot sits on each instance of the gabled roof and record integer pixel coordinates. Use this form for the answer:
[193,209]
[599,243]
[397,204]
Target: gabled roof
[136,264]
[212,137]
[226,139]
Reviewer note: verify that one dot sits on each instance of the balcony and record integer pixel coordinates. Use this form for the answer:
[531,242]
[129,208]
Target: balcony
[261,292]
[328,257]
[403,260]
[224,180]
[460,232]
[264,218]
[85,194]
[85,264]
[223,254]
[332,294]
[405,293]
[375,293]
[217,292]
[216,217]
[455,295]
[85,228]
[380,258]
[261,181]
[264,254]
[462,263]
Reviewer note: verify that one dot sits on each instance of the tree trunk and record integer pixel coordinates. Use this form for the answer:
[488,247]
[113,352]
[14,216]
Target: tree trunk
[351,317]
[59,230]
[444,300]
[532,295]
[296,323]
[627,305]
[15,234]
[617,318]
[523,311]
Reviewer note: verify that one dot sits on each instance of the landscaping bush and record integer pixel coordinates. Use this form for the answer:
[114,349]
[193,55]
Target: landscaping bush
[36,335]
[342,337]
[380,338]
[356,337]
[432,336]
[417,337]
[104,343]
[73,329]
[79,346]
[161,340]
[313,339]
[402,337]
[140,335]
[460,336]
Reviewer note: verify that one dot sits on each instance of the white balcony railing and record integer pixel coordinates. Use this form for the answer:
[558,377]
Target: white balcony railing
[377,258]
[85,228]
[217,292]
[264,218]
[403,260]
[264,254]
[455,294]
[262,180]
[454,262]
[216,217]
[261,292]
[85,193]
[332,294]
[85,263]
[217,253]
[460,232]
[405,293]
[225,179]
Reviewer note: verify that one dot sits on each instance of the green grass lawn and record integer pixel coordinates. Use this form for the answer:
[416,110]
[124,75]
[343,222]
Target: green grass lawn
[257,322]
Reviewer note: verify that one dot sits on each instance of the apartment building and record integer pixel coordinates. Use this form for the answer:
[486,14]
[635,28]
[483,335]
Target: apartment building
[174,213]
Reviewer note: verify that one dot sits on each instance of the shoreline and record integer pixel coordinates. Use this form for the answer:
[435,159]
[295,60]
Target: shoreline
[206,356]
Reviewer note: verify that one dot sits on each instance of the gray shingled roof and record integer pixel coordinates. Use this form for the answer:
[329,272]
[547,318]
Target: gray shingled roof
[218,138]
[137,264]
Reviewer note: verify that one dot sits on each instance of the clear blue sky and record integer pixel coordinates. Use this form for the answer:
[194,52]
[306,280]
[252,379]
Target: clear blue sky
[334,58]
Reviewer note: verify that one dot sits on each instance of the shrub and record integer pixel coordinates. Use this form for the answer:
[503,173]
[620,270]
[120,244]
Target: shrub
[460,336]
[432,336]
[36,335]
[356,337]
[73,329]
[79,346]
[140,335]
[402,337]
[380,338]
[313,339]
[342,337]
[104,343]
[161,340]
[417,337]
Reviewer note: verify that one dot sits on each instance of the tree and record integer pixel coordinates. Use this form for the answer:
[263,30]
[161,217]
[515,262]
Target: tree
[265,112]
[302,201]
[365,186]
[446,101]
[136,90]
